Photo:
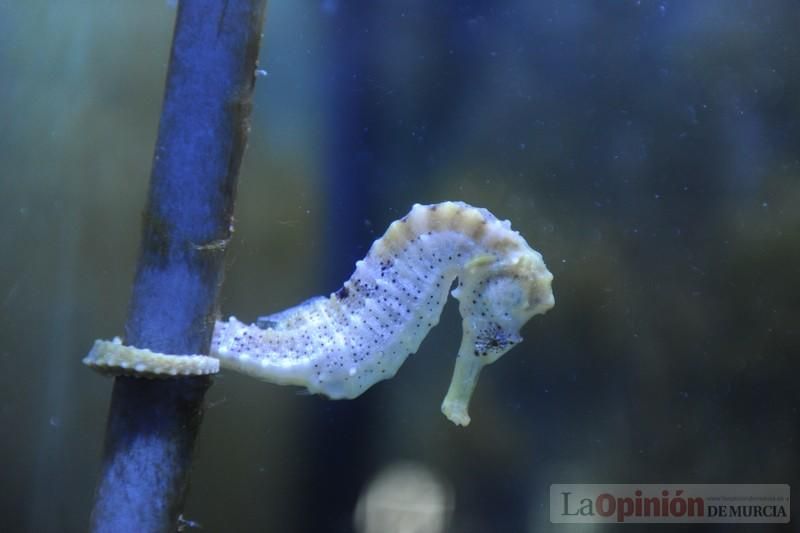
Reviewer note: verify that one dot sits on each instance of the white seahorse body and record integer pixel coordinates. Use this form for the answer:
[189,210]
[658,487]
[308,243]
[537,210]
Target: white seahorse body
[341,345]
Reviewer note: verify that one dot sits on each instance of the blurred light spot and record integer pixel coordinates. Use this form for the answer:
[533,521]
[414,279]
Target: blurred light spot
[404,498]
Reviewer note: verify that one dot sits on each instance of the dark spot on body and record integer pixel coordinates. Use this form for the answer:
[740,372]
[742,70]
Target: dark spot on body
[342,293]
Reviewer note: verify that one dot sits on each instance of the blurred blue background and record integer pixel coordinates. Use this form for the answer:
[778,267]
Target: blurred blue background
[649,150]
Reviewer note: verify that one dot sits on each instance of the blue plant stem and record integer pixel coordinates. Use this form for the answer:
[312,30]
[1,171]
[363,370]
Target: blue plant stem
[152,424]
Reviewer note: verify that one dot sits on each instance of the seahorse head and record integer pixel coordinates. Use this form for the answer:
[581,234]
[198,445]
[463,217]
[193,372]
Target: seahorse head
[498,296]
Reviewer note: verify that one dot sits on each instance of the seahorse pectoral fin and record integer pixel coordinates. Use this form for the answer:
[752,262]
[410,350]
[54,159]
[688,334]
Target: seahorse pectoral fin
[465,377]
[480,262]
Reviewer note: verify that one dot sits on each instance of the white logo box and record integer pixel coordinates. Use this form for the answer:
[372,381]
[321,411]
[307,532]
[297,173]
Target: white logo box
[669,503]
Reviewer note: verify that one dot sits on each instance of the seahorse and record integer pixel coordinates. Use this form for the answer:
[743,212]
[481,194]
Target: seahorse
[341,345]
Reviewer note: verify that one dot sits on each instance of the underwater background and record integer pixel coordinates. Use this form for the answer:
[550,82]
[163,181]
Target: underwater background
[649,150]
